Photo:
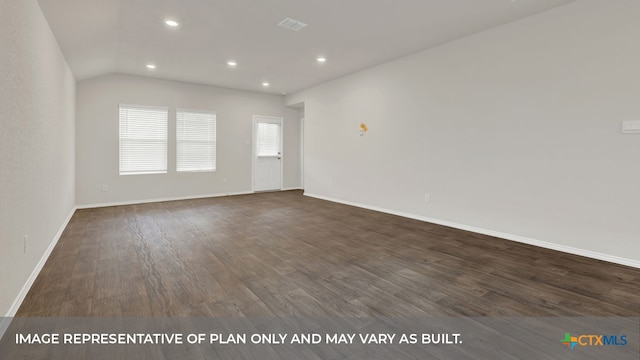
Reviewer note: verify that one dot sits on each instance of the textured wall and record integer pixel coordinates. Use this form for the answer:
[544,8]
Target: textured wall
[97,139]
[514,130]
[37,105]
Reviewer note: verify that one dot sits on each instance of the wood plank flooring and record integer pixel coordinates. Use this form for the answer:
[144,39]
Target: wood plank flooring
[286,254]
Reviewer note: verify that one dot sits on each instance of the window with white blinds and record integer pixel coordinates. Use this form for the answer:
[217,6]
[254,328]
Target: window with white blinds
[143,140]
[268,139]
[195,141]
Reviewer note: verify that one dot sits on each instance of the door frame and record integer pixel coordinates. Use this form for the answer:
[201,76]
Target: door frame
[254,125]
[302,153]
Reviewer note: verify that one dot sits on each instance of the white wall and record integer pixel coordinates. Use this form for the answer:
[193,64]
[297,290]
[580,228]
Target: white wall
[37,104]
[97,139]
[514,130]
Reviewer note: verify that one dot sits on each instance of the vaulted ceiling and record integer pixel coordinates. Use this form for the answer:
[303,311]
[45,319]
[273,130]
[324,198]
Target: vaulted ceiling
[122,36]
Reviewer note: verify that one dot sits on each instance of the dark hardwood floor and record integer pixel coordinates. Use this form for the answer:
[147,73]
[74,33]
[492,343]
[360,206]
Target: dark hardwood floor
[286,254]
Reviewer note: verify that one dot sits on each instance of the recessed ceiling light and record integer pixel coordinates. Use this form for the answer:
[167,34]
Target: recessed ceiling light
[265,84]
[321,59]
[232,63]
[171,23]
[151,66]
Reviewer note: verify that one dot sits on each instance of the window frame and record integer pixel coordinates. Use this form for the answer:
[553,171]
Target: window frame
[164,143]
[214,142]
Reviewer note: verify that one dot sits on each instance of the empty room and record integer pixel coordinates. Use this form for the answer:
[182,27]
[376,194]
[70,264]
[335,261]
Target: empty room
[207,179]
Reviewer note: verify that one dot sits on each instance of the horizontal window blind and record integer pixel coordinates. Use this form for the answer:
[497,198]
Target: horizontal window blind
[143,140]
[195,141]
[268,139]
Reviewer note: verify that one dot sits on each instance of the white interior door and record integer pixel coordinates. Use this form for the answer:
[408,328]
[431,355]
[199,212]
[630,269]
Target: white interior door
[267,153]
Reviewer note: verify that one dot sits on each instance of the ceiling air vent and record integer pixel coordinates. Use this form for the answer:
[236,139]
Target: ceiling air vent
[292,24]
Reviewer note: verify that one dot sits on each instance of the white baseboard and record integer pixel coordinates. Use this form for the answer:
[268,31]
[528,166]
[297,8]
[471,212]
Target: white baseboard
[292,188]
[4,325]
[145,201]
[34,274]
[517,238]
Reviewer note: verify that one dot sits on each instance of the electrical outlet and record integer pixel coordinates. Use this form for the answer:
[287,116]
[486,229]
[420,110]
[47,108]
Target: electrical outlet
[105,188]
[26,238]
[427,198]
